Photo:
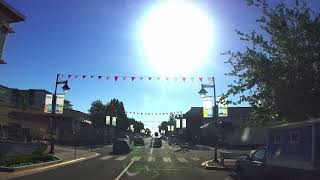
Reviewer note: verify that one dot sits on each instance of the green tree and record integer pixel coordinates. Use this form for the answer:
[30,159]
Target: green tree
[97,112]
[115,108]
[137,125]
[67,105]
[279,71]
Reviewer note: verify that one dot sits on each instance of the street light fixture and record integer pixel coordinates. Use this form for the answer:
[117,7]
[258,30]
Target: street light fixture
[65,89]
[203,93]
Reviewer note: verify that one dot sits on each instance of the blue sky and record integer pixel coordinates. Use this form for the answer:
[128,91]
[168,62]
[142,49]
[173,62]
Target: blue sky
[100,37]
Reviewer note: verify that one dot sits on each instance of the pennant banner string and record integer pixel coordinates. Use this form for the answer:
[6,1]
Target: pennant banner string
[117,78]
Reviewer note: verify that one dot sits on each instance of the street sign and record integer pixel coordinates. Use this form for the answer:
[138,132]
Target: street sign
[108,120]
[207,107]
[59,104]
[222,107]
[48,103]
[184,123]
[114,121]
[177,123]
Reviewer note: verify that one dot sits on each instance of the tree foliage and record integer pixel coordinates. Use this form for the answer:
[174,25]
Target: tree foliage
[137,125]
[115,108]
[279,71]
[164,125]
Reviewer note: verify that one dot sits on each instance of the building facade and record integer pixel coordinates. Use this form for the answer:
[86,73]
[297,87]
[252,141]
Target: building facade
[22,116]
[8,15]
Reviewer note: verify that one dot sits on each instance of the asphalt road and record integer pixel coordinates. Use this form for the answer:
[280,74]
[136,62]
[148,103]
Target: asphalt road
[141,163]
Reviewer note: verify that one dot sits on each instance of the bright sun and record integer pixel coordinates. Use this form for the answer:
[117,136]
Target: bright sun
[176,37]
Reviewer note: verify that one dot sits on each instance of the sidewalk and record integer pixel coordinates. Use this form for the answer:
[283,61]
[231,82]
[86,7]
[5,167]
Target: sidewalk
[68,153]
[66,156]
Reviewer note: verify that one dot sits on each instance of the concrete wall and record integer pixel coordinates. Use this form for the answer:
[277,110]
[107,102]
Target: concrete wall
[14,148]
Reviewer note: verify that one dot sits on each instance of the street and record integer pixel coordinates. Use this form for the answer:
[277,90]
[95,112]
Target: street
[143,162]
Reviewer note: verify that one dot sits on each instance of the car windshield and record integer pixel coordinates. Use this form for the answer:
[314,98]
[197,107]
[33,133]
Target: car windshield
[159,89]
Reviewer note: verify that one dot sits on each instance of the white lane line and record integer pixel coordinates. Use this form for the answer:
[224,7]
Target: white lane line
[182,160]
[120,158]
[151,159]
[195,159]
[125,169]
[166,159]
[106,157]
[136,158]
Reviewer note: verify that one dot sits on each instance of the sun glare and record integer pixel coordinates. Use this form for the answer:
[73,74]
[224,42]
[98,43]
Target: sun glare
[176,37]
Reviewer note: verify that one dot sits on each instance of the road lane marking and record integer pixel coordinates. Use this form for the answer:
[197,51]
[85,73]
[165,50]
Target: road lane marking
[106,157]
[120,158]
[125,170]
[195,159]
[151,159]
[182,160]
[166,159]
[136,158]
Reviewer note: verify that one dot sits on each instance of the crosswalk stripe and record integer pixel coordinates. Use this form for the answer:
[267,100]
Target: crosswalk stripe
[166,159]
[182,160]
[195,159]
[120,158]
[136,158]
[151,159]
[106,157]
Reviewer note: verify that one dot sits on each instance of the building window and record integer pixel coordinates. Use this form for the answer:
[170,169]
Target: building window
[276,139]
[294,137]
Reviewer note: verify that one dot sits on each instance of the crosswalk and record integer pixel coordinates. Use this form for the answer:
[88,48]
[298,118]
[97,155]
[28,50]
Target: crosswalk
[152,159]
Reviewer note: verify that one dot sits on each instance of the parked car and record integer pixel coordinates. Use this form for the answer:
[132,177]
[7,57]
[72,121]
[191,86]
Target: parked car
[255,166]
[156,142]
[121,146]
[138,141]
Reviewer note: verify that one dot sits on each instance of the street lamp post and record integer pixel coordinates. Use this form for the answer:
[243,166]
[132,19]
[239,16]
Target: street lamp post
[65,89]
[203,93]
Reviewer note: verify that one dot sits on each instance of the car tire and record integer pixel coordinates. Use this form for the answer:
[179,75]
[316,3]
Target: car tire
[240,174]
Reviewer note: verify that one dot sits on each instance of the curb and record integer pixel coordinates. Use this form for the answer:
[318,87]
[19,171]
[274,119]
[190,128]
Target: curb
[210,167]
[31,166]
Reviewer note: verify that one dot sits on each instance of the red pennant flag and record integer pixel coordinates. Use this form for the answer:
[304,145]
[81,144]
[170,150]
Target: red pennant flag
[149,78]
[167,78]
[158,78]
[184,79]
[69,76]
[209,79]
[84,76]
[200,78]
[92,76]
[99,77]
[124,78]
[132,78]
[192,79]
[141,78]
